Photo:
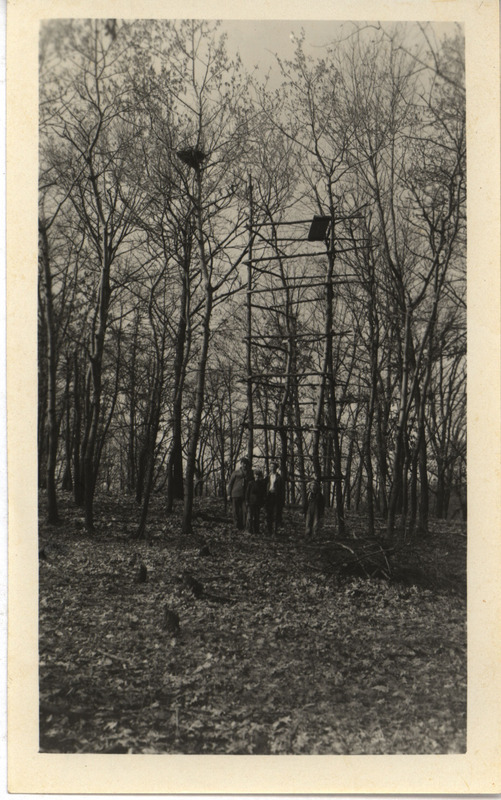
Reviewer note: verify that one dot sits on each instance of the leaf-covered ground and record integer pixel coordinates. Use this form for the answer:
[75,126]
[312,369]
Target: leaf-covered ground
[291,658]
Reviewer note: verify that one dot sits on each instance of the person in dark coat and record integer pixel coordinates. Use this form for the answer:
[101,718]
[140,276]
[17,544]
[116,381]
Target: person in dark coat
[236,490]
[274,498]
[255,496]
[313,509]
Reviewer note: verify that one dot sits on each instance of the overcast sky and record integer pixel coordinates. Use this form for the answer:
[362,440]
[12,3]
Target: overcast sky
[258,40]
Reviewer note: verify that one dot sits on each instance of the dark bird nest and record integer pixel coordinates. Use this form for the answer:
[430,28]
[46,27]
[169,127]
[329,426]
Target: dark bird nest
[192,156]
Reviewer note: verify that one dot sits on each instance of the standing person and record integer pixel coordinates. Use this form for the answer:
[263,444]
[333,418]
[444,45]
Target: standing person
[274,498]
[313,509]
[255,496]
[236,490]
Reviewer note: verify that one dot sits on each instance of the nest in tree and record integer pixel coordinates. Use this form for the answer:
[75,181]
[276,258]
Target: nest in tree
[192,156]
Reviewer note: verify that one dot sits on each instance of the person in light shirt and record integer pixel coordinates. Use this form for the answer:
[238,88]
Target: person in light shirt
[236,490]
[313,509]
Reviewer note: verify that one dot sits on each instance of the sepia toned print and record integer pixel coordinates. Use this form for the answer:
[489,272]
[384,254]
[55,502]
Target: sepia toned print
[235,263]
[249,435]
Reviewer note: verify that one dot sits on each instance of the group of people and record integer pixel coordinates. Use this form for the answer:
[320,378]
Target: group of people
[250,492]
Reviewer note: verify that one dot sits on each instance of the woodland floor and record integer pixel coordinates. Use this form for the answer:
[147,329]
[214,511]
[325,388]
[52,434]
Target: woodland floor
[297,660]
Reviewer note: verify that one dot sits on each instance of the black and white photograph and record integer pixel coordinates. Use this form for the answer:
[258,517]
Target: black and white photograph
[251,392]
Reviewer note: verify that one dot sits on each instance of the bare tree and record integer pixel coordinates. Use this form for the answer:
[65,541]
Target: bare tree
[90,133]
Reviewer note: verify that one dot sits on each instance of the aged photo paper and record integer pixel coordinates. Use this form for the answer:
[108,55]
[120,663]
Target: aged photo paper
[478,770]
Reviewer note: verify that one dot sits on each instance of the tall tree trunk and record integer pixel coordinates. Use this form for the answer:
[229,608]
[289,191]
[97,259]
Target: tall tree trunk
[142,466]
[440,491]
[149,471]
[373,354]
[419,505]
[42,405]
[299,443]
[67,482]
[197,416]
[358,483]
[132,434]
[78,479]
[413,489]
[202,368]
[95,384]
[131,444]
[250,404]
[52,426]
[175,489]
[424,493]
[404,496]
[338,477]
[399,453]
[319,416]
[347,482]
[383,411]
[424,490]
